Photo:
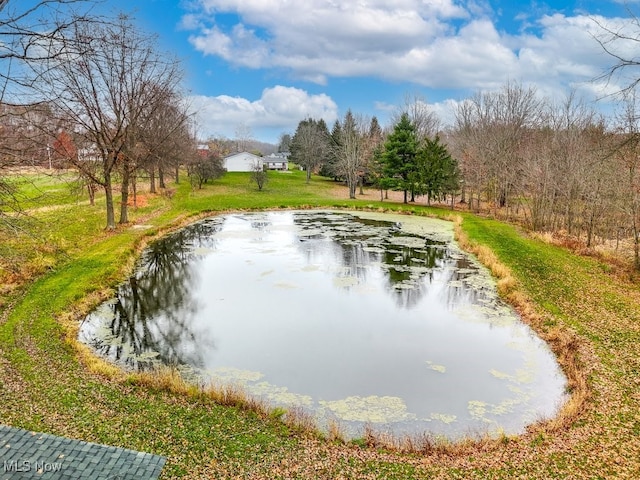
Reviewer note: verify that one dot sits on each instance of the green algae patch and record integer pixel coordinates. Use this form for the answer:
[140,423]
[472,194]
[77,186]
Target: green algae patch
[232,375]
[435,367]
[371,409]
[443,417]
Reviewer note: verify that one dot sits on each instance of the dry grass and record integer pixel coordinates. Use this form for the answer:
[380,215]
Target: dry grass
[335,432]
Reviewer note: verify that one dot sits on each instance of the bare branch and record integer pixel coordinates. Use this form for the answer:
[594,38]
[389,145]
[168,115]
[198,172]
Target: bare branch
[620,42]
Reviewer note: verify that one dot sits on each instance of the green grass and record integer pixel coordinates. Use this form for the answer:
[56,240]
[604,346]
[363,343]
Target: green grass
[44,386]
[44,189]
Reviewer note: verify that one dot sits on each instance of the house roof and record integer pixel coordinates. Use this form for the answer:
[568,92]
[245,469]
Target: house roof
[243,154]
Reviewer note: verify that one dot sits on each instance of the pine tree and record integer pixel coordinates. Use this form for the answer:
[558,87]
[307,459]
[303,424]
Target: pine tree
[439,173]
[400,162]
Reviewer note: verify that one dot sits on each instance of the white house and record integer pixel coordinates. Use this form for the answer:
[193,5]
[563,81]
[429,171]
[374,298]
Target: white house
[276,161]
[90,153]
[242,162]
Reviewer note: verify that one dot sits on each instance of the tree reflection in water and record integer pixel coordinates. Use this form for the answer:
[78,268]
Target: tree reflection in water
[150,319]
[406,259]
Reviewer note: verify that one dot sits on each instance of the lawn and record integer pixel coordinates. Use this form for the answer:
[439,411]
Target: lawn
[67,262]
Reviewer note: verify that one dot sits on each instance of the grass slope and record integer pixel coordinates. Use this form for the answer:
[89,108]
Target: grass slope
[45,387]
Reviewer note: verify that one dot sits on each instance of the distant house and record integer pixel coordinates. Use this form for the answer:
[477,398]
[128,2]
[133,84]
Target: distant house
[91,153]
[276,161]
[203,150]
[242,162]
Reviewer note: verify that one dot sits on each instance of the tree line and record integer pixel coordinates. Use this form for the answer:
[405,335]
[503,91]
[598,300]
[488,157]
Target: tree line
[100,95]
[357,151]
[97,95]
[557,167]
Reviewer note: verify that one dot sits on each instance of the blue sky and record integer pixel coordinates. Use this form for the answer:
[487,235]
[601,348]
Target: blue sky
[264,65]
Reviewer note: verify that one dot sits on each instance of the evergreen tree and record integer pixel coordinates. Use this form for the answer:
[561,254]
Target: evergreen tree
[375,131]
[329,167]
[284,146]
[400,162]
[439,173]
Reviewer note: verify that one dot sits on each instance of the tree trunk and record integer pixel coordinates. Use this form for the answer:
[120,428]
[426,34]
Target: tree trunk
[91,188]
[308,174]
[111,217]
[161,177]
[636,244]
[134,186]
[405,196]
[361,180]
[591,227]
[352,189]
[177,172]
[124,191]
[152,180]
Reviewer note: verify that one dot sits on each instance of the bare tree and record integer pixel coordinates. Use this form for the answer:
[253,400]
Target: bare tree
[105,79]
[466,144]
[244,137]
[627,159]
[259,175]
[310,144]
[374,146]
[494,126]
[621,42]
[165,137]
[352,151]
[421,115]
[202,168]
[25,27]
[561,166]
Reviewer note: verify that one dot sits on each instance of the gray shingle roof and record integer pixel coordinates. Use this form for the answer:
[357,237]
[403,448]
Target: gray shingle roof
[29,455]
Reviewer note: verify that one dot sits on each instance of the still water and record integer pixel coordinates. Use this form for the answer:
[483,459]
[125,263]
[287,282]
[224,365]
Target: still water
[365,319]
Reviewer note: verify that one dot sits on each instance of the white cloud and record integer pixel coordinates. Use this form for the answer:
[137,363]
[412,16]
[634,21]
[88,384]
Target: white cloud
[446,111]
[279,109]
[320,38]
[435,44]
[438,44]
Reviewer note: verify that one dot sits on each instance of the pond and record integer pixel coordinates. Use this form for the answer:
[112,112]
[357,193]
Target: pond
[363,319]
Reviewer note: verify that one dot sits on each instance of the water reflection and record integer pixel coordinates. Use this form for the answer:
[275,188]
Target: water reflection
[406,259]
[357,317]
[150,320]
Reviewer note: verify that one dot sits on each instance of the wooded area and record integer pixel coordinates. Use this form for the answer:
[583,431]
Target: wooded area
[97,95]
[555,167]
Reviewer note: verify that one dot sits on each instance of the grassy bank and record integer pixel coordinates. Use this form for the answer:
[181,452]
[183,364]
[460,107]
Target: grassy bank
[48,276]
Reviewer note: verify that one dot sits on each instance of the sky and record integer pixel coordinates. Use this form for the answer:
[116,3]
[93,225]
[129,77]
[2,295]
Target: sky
[261,66]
